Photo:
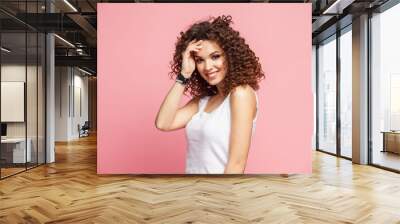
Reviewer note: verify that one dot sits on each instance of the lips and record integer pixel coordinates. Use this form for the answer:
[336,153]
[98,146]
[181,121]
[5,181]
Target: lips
[212,75]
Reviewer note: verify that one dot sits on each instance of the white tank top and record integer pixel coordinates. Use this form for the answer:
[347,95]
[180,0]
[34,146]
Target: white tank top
[208,138]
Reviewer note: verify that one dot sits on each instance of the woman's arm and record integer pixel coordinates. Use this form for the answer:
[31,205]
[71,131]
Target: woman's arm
[243,110]
[170,117]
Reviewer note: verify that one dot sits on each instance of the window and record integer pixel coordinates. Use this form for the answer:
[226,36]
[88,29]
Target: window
[385,88]
[327,95]
[346,92]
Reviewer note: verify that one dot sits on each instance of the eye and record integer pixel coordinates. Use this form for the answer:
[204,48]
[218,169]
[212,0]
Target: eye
[215,57]
[198,60]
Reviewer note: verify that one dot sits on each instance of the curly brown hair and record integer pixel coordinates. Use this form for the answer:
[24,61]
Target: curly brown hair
[243,65]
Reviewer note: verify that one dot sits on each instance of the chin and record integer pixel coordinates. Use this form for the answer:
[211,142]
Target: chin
[214,83]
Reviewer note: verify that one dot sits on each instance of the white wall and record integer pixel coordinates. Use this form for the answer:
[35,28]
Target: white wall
[62,80]
[80,102]
[33,127]
[71,94]
[16,73]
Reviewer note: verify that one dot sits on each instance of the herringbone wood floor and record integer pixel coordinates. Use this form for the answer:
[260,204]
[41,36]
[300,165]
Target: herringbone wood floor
[70,191]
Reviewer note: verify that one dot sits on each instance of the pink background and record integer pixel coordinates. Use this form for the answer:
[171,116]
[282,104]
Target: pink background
[135,45]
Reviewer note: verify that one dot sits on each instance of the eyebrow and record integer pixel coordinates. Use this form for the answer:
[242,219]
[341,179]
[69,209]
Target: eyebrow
[215,52]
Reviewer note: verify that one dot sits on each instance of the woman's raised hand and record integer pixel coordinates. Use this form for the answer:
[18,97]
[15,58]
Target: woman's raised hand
[188,62]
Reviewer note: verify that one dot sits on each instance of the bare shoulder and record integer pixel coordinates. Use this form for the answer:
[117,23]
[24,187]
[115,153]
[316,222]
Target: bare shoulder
[244,93]
[243,101]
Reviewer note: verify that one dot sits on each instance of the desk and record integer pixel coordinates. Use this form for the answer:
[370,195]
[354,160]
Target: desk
[15,148]
[391,141]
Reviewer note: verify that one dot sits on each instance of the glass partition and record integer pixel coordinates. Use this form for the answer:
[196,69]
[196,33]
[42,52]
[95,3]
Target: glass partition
[327,95]
[41,111]
[22,88]
[32,95]
[346,93]
[385,89]
[14,153]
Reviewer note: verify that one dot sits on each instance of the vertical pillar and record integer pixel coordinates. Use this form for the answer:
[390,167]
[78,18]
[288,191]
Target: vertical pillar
[360,90]
[50,92]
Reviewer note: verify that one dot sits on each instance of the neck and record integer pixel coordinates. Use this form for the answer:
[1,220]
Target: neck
[220,92]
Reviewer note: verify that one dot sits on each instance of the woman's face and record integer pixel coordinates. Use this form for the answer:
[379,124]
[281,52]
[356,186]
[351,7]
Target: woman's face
[211,62]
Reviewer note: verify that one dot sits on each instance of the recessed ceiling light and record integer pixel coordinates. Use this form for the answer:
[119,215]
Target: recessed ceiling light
[70,5]
[5,50]
[337,7]
[84,71]
[64,40]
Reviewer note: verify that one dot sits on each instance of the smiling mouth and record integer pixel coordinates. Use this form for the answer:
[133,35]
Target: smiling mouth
[212,74]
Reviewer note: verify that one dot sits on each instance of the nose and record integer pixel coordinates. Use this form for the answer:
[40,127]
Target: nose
[208,65]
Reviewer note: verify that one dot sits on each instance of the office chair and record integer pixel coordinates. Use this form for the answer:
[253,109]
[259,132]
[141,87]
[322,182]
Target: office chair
[84,130]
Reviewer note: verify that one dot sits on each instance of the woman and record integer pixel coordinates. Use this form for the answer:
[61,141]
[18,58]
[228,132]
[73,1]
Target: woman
[215,65]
